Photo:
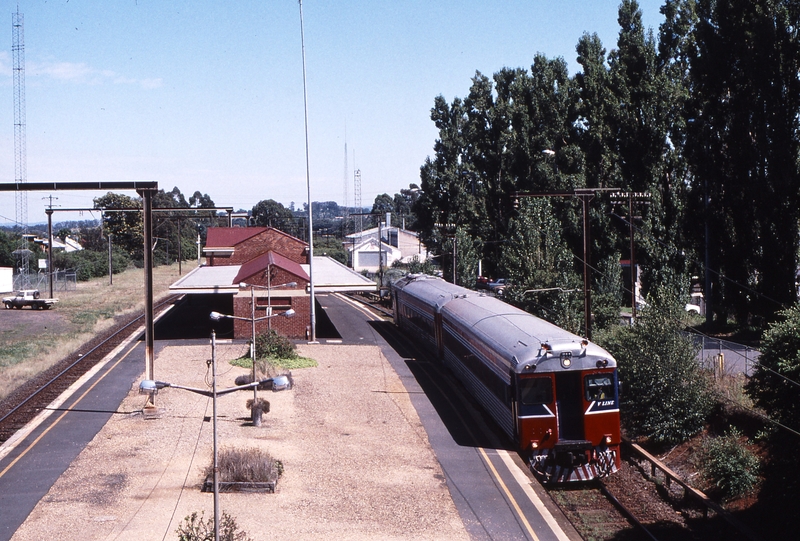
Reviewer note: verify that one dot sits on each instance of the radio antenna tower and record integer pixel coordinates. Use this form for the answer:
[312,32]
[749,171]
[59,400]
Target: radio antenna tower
[346,175]
[20,157]
[357,202]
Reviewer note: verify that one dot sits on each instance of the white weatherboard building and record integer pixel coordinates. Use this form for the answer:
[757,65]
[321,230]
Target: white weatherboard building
[397,244]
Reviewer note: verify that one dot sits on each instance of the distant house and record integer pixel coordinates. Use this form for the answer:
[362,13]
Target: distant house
[67,245]
[397,244]
[272,268]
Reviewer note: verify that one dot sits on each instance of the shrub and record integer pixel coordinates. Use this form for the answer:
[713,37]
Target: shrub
[272,344]
[729,465]
[90,264]
[665,395]
[250,465]
[193,528]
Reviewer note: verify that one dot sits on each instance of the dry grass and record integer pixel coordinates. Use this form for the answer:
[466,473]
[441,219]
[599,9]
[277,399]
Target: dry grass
[33,341]
[251,465]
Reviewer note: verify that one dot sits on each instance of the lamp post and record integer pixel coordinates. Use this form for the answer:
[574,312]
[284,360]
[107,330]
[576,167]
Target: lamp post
[269,288]
[216,316]
[151,387]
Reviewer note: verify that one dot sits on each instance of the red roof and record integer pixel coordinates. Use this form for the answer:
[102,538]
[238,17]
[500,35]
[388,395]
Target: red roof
[260,263]
[227,237]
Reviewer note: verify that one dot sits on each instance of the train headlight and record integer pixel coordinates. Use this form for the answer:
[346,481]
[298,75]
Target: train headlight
[607,439]
[534,444]
[566,359]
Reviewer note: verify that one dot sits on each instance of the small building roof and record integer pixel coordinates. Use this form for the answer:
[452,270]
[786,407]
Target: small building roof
[206,279]
[228,237]
[331,276]
[263,261]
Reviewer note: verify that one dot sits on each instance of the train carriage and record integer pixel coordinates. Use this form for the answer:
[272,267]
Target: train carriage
[554,393]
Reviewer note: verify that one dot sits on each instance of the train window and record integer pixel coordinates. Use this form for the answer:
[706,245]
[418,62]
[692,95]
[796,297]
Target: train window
[599,387]
[535,391]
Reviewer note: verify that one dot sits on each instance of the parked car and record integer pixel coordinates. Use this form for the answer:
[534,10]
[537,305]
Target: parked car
[498,286]
[482,282]
[28,297]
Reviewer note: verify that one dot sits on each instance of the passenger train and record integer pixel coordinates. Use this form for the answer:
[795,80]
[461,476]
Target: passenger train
[554,393]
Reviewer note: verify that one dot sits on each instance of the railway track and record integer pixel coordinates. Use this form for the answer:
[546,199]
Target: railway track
[631,504]
[22,405]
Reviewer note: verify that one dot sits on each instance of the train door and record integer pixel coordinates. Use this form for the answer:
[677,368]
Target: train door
[569,405]
[437,334]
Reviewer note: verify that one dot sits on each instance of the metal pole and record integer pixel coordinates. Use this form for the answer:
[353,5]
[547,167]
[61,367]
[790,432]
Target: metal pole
[707,293]
[50,250]
[587,295]
[180,248]
[380,256]
[633,257]
[253,351]
[214,399]
[147,200]
[269,296]
[313,336]
[455,244]
[110,267]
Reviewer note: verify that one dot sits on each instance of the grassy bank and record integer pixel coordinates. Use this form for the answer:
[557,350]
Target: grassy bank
[31,341]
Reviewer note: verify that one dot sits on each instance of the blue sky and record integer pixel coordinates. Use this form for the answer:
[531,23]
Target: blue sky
[208,96]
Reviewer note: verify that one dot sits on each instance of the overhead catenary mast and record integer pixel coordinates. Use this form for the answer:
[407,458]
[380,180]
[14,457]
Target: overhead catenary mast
[20,155]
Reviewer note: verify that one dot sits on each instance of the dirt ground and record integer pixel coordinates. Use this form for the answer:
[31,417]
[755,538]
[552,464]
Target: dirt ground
[357,461]
[22,323]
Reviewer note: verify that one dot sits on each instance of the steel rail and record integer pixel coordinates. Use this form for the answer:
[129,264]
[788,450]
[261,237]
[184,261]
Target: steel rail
[80,359]
[624,510]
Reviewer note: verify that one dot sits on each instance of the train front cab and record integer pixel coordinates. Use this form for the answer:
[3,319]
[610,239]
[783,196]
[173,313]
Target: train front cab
[568,422]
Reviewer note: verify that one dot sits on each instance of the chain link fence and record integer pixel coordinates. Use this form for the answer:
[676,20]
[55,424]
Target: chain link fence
[723,356]
[63,280]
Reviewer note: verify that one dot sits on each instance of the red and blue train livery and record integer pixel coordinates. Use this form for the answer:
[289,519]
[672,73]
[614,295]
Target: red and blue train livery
[554,393]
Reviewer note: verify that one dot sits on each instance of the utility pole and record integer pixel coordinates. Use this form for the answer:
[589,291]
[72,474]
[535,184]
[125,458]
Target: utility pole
[631,197]
[585,195]
[49,212]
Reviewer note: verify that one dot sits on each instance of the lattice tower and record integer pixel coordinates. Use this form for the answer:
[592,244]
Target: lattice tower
[20,155]
[357,201]
[346,178]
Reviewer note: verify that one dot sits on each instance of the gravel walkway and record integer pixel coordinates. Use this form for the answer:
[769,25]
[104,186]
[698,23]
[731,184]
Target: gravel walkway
[357,460]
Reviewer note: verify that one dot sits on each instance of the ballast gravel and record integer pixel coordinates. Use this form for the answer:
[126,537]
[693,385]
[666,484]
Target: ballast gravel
[357,462]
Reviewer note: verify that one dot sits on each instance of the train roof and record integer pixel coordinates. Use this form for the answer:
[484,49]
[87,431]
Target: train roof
[526,341]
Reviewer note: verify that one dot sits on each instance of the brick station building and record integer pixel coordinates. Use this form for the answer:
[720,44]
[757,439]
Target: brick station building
[272,268]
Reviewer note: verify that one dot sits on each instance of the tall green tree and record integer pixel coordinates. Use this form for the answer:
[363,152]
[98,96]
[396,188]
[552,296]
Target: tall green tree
[270,213]
[7,247]
[383,203]
[201,200]
[743,147]
[541,268]
[126,227]
[774,388]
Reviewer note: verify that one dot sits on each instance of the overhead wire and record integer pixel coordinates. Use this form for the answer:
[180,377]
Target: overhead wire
[760,365]
[695,331]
